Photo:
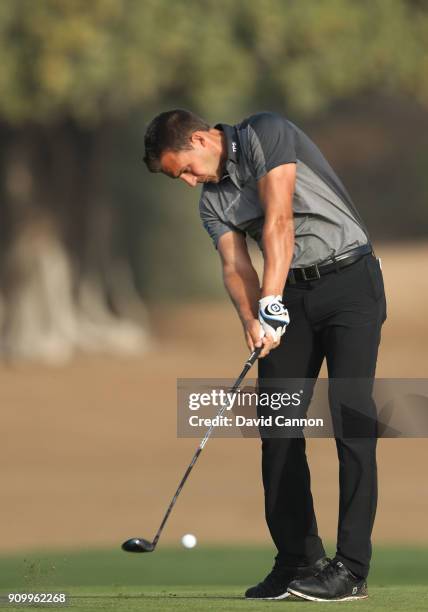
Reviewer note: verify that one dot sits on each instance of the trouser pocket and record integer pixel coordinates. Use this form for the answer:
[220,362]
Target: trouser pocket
[375,275]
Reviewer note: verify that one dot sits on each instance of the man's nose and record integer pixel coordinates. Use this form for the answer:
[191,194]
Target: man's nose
[192,181]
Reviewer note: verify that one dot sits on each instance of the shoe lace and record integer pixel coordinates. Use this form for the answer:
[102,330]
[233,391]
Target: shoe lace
[327,571]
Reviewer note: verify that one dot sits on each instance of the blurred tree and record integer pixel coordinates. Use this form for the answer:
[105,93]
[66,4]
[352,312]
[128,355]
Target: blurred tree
[308,54]
[75,76]
[72,73]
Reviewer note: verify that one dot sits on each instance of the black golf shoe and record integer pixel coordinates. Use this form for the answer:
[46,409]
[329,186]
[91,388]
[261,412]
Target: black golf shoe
[274,586]
[334,582]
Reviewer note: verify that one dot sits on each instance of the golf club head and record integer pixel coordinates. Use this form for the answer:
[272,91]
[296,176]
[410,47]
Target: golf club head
[138,545]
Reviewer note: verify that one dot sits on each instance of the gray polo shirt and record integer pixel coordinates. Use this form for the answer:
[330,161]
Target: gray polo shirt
[326,221]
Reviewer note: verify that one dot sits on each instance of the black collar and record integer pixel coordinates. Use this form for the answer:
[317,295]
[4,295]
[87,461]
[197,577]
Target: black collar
[232,141]
[232,144]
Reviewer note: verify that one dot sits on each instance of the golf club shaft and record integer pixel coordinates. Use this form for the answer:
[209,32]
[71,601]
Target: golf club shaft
[248,364]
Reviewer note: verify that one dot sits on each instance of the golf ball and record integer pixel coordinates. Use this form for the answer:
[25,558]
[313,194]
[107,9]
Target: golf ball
[189,540]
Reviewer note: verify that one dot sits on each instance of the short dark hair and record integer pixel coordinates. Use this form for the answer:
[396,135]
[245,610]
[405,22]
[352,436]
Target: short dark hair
[170,131]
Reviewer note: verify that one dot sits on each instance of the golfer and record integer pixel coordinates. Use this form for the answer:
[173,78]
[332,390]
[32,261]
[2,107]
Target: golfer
[323,285]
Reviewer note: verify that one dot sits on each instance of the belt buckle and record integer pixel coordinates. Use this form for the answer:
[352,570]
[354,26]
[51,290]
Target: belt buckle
[317,273]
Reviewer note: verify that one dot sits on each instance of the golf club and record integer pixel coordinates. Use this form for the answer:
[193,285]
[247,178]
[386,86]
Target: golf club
[140,545]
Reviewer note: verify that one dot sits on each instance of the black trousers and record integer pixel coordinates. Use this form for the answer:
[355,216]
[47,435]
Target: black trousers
[339,317]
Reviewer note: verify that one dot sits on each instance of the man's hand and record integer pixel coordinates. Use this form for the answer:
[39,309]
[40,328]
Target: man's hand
[273,316]
[256,337]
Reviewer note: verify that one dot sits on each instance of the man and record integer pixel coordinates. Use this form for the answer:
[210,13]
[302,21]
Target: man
[265,178]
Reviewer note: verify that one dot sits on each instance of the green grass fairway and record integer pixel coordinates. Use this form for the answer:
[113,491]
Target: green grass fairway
[200,579]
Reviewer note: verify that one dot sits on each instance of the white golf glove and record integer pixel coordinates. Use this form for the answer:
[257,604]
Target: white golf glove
[273,316]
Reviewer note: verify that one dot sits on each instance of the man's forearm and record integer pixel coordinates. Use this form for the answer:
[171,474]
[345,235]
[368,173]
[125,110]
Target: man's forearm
[242,284]
[278,248]
[276,191]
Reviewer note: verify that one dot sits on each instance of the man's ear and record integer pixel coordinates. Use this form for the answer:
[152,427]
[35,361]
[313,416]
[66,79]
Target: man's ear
[198,138]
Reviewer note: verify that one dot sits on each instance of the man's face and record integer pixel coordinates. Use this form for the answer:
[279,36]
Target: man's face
[200,164]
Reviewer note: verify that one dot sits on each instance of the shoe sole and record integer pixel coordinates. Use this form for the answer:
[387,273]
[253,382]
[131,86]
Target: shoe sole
[311,598]
[283,596]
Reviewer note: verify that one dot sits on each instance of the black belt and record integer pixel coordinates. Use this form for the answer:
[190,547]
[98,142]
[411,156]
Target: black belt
[317,270]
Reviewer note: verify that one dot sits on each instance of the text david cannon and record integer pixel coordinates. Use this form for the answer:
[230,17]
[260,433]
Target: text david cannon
[241,421]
